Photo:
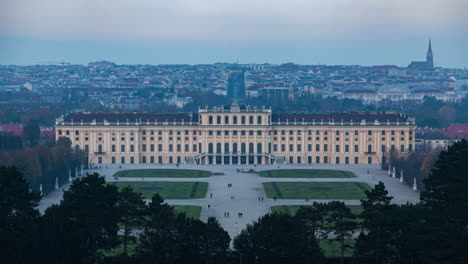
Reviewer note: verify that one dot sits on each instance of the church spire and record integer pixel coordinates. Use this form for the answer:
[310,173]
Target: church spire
[429,57]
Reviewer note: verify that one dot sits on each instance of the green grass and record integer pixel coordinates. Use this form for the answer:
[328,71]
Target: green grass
[168,190]
[191,211]
[292,209]
[316,190]
[301,173]
[163,173]
[331,248]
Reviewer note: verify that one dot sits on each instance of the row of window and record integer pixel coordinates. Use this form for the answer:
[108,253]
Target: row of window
[243,148]
[234,120]
[178,159]
[194,132]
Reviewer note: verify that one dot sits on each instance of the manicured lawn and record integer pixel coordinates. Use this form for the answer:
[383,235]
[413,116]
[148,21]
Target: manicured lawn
[163,173]
[292,209]
[191,211]
[331,248]
[168,190]
[316,190]
[303,173]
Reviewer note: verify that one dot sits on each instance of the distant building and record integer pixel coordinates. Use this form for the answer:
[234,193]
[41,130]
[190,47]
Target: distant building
[236,85]
[424,65]
[238,135]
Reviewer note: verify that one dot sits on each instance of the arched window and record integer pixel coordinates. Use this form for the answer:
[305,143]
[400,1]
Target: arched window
[210,148]
[369,148]
[259,120]
[226,147]
[218,148]
[243,120]
[243,148]
[100,148]
[234,120]
[251,148]
[251,120]
[234,148]
[218,120]
[259,148]
[210,120]
[226,120]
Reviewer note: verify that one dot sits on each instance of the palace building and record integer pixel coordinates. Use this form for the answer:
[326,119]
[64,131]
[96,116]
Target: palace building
[237,134]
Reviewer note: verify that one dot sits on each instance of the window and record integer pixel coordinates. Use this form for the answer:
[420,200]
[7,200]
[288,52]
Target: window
[122,133]
[337,148]
[337,132]
[337,160]
[178,148]
[259,120]
[325,147]
[67,132]
[113,148]
[356,132]
[132,148]
[122,148]
[194,148]
[259,132]
[243,120]
[369,160]
[317,147]
[325,159]
[393,132]
[251,120]
[369,148]
[317,159]
[383,132]
[356,148]
[152,147]
[122,160]
[346,160]
[299,147]
[251,132]
[159,147]
[346,148]
[143,147]
[210,120]
[275,148]
[113,160]
[171,148]
[77,133]
[86,148]
[283,147]
[186,147]
[356,160]
[291,148]
[309,147]
[132,160]
[383,148]
[218,120]
[152,159]
[143,159]
[226,120]
[234,120]
[402,148]
[291,160]
[369,133]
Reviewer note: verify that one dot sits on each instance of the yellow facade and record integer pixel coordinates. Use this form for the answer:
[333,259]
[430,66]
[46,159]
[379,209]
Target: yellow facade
[237,135]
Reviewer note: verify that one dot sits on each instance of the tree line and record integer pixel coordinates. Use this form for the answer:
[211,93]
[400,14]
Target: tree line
[94,217]
[42,164]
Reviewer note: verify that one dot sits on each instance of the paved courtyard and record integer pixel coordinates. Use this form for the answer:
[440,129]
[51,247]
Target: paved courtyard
[246,188]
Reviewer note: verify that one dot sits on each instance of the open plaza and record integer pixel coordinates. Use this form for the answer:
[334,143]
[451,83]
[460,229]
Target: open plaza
[239,195]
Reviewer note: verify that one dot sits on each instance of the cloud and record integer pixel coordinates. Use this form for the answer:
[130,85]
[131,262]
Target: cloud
[230,20]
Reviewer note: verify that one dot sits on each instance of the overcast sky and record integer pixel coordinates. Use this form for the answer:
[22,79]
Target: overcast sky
[367,32]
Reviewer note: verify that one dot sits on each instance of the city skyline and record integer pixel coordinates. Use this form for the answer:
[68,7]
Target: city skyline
[305,32]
